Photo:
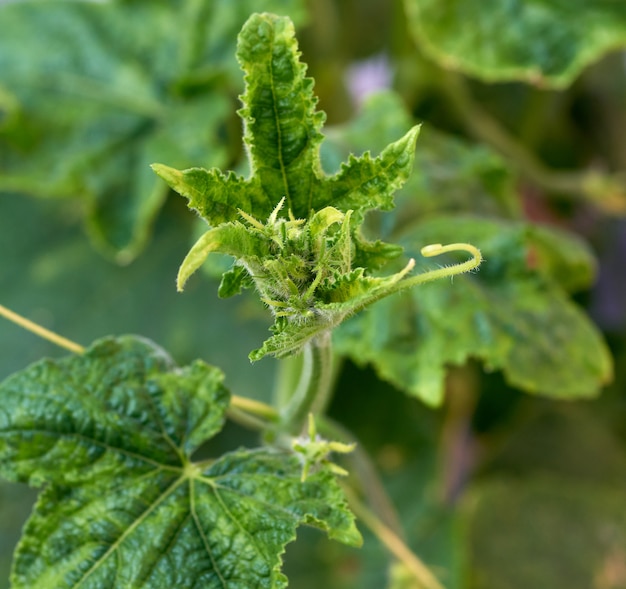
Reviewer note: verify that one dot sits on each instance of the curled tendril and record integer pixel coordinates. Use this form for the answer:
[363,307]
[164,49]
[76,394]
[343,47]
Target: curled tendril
[436,249]
[400,283]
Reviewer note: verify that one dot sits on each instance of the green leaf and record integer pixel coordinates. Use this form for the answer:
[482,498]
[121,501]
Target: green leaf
[562,256]
[283,136]
[546,42]
[111,432]
[512,318]
[98,91]
[121,405]
[231,238]
[233,281]
[302,264]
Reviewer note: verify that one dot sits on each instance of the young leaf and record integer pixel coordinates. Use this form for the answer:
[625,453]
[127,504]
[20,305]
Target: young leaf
[283,136]
[292,208]
[347,296]
[510,316]
[547,43]
[111,432]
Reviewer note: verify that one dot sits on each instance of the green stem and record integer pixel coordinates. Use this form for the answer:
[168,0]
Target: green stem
[609,192]
[393,543]
[258,408]
[286,380]
[314,387]
[42,332]
[245,419]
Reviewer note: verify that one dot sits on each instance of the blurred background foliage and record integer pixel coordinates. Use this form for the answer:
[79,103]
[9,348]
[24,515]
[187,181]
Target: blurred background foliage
[522,151]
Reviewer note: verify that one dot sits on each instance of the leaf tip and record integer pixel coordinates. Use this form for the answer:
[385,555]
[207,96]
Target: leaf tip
[170,175]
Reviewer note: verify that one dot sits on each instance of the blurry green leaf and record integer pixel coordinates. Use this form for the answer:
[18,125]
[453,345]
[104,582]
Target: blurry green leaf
[545,42]
[104,89]
[510,317]
[449,175]
[582,446]
[123,419]
[563,256]
[547,532]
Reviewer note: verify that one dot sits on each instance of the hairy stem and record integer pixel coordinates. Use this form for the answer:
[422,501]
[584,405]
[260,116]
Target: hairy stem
[314,386]
[437,249]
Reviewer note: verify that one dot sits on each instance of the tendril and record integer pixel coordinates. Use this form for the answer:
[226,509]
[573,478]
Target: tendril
[436,249]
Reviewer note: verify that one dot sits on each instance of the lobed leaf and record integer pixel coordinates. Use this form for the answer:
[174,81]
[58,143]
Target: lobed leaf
[547,42]
[121,405]
[111,432]
[283,137]
[511,317]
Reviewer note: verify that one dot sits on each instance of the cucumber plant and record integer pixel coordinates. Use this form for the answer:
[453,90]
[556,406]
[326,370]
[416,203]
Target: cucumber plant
[347,253]
[110,432]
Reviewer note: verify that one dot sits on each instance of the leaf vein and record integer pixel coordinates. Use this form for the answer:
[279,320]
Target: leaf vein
[138,521]
[205,540]
[128,453]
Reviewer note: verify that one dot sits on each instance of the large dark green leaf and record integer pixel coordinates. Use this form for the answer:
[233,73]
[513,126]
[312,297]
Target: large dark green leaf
[112,432]
[95,92]
[544,42]
[512,318]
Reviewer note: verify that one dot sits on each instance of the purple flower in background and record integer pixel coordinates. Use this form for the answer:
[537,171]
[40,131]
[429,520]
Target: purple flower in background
[608,305]
[368,76]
